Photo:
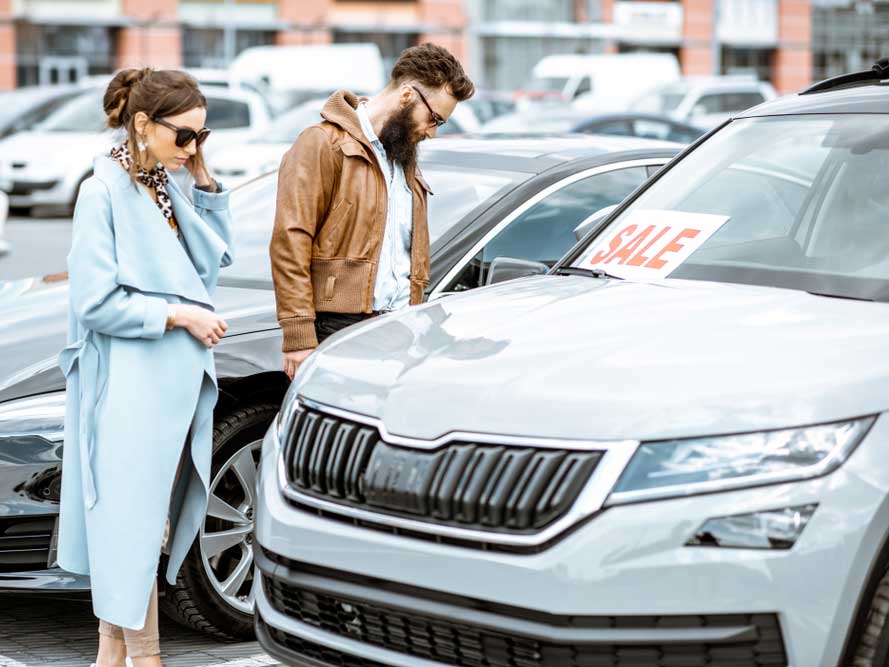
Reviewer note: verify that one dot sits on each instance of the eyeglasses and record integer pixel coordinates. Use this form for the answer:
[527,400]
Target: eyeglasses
[185,135]
[438,120]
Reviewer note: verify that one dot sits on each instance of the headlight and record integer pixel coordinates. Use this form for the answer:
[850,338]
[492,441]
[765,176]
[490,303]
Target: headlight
[701,465]
[43,416]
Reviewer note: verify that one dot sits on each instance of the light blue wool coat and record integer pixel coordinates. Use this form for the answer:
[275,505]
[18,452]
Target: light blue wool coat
[135,391]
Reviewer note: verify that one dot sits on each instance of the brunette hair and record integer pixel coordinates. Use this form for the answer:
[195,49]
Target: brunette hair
[157,93]
[433,66]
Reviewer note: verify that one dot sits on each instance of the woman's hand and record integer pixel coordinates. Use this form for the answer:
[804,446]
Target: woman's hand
[292,361]
[200,173]
[205,325]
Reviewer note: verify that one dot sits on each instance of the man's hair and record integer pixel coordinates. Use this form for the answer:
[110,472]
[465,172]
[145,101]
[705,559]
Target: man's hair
[434,67]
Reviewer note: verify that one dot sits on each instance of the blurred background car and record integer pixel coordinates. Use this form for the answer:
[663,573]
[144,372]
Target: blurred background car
[291,75]
[596,82]
[75,132]
[705,101]
[557,120]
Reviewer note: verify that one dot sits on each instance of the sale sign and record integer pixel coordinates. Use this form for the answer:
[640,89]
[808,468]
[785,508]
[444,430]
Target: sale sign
[650,244]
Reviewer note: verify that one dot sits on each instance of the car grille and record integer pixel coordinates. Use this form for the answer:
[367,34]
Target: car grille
[25,543]
[453,643]
[469,485]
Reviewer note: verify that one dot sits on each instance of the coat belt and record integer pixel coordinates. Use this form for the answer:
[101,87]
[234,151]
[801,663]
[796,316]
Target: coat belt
[85,354]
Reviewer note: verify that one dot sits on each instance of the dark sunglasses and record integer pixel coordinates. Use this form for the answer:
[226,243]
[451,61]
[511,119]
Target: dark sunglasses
[438,120]
[185,135]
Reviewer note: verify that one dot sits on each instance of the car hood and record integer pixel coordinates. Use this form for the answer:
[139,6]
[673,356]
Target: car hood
[34,322]
[577,357]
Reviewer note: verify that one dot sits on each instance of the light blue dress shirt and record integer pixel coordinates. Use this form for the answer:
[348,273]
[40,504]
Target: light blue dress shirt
[392,289]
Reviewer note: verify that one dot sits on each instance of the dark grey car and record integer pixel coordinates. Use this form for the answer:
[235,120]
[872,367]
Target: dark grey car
[516,197]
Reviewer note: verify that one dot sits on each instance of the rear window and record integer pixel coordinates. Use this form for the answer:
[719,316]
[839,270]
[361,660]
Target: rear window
[226,114]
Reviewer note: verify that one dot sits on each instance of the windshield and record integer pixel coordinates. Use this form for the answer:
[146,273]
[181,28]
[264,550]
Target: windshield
[547,84]
[795,201]
[458,191]
[82,114]
[287,127]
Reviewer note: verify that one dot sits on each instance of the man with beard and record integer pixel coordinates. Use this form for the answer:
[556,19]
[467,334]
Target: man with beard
[350,238]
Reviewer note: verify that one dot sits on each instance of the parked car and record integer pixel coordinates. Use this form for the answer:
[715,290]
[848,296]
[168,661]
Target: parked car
[291,75]
[516,196]
[705,101]
[562,120]
[670,450]
[74,134]
[603,82]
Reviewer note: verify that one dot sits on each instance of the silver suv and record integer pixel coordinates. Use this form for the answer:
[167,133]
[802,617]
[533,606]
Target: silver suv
[670,451]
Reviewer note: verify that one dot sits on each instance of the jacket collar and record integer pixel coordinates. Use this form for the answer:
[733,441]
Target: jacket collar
[149,256]
[341,110]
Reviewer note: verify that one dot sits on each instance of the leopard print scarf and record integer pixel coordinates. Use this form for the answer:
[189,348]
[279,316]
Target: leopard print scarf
[157,178]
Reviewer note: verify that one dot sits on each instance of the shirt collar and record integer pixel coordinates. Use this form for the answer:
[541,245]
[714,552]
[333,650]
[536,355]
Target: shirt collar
[366,126]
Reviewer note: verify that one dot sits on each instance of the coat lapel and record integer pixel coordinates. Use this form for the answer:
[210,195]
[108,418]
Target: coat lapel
[205,246]
[149,256]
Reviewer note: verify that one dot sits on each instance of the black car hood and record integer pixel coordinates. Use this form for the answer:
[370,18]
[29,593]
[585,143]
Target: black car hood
[34,324]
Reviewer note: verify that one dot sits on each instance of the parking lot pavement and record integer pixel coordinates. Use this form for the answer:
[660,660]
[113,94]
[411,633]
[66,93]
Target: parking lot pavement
[38,631]
[39,246]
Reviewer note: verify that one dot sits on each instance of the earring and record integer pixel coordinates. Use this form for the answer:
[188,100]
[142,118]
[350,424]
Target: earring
[141,145]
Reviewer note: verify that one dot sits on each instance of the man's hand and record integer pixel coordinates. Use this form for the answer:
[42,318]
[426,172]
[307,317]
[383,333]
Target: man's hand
[292,360]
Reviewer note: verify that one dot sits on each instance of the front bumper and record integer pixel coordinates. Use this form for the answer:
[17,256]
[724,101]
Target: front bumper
[628,563]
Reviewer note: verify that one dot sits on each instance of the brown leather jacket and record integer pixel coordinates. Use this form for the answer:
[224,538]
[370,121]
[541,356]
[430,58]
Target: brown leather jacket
[329,224]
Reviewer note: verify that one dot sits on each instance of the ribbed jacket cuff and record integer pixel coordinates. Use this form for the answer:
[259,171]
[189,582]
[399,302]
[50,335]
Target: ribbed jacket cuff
[299,334]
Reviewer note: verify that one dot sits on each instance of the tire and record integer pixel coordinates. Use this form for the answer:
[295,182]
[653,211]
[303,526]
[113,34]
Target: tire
[197,601]
[872,644]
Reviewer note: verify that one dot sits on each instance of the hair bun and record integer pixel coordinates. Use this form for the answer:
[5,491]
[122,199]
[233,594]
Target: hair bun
[118,94]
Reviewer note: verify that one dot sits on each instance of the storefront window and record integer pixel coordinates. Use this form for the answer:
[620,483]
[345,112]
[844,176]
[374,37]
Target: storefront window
[62,54]
[205,47]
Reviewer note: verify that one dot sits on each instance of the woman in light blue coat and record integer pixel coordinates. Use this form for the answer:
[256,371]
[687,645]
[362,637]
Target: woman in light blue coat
[141,382]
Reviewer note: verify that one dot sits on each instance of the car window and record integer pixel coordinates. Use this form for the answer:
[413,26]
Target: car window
[585,86]
[650,129]
[713,103]
[84,113]
[741,101]
[227,114]
[619,128]
[797,202]
[545,231]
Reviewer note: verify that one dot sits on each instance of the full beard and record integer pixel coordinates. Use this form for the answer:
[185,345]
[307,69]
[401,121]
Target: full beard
[397,137]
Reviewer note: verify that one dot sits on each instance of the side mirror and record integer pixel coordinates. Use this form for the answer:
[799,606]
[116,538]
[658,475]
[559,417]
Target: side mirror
[597,217]
[510,268]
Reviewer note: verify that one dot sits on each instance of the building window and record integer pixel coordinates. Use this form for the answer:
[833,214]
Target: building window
[391,44]
[848,39]
[205,47]
[756,62]
[62,54]
[530,10]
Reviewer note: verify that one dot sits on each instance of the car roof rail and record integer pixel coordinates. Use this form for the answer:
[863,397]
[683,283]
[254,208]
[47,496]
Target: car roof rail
[876,74]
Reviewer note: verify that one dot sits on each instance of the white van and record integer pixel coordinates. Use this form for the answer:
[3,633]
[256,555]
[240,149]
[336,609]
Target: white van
[597,82]
[290,75]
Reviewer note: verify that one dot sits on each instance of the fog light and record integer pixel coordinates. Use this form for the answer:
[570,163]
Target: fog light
[772,529]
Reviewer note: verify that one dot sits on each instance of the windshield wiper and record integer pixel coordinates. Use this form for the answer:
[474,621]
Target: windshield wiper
[591,273]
